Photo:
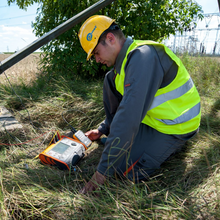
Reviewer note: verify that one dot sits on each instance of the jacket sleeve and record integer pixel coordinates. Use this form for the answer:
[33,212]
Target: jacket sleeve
[111,101]
[143,76]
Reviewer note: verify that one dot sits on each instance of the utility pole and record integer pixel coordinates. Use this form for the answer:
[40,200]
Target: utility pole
[57,31]
[219,5]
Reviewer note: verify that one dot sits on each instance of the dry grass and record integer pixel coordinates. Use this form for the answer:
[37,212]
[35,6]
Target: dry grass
[186,187]
[23,71]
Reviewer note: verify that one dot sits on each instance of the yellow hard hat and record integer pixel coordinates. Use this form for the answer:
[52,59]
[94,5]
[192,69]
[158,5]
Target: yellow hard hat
[91,30]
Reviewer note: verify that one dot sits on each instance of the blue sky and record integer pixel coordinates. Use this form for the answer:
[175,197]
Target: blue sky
[209,6]
[15,27]
[16,31]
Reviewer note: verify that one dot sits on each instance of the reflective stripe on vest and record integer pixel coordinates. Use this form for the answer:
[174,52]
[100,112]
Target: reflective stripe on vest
[176,107]
[172,94]
[193,112]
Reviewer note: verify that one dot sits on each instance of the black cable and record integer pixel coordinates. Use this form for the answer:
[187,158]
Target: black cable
[71,127]
[74,130]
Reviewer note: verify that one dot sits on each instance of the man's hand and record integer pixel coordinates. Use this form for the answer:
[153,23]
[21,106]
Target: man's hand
[96,180]
[93,134]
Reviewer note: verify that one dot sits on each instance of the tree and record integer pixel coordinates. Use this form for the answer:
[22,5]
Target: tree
[142,19]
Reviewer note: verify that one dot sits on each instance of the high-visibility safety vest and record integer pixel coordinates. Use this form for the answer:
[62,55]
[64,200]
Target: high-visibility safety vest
[176,107]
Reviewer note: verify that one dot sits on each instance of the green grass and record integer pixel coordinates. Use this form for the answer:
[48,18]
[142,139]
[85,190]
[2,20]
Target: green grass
[186,187]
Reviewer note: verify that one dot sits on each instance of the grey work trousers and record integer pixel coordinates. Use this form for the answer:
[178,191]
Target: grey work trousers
[150,149]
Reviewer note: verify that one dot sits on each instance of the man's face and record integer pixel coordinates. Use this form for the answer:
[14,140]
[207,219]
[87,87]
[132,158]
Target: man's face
[105,53]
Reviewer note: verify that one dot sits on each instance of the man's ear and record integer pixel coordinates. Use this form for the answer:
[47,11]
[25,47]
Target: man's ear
[111,38]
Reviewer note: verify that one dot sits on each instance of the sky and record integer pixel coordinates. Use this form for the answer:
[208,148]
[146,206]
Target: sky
[15,27]
[16,31]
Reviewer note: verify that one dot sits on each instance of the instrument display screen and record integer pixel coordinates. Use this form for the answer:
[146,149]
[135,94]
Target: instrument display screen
[60,148]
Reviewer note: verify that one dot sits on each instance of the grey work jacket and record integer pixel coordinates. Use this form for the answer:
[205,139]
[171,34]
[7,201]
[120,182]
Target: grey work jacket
[148,68]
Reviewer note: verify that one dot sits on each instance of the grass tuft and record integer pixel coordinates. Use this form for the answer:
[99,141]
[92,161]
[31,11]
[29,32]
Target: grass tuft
[186,187]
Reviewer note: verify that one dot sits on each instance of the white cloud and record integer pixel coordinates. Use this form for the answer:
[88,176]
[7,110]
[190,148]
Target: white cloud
[16,30]
[15,37]
[6,38]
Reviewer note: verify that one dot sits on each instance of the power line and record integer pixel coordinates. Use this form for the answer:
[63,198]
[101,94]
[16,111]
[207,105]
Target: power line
[16,24]
[7,6]
[16,17]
